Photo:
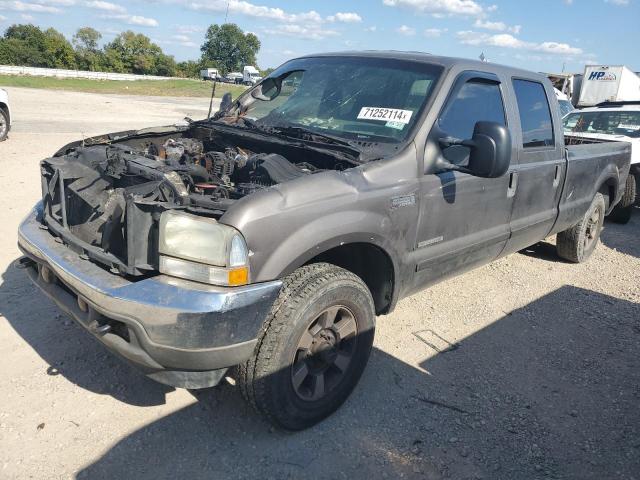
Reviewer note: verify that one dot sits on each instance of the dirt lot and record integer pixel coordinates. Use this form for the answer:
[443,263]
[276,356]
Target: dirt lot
[526,368]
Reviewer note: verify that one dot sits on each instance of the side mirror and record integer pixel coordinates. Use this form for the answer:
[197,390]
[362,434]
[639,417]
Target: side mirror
[267,90]
[490,150]
[490,147]
[225,102]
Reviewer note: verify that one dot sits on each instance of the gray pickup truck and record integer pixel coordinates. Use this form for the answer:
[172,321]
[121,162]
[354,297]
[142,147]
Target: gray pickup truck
[261,243]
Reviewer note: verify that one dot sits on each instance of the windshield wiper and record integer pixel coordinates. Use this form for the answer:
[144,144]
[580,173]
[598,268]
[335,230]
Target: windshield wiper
[302,133]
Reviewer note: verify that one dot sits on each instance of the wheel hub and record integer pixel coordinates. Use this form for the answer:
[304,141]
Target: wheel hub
[324,346]
[324,353]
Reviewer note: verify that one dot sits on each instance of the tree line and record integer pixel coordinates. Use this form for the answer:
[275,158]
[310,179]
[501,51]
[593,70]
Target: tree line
[225,47]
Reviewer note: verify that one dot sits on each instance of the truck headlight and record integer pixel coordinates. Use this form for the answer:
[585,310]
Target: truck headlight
[201,249]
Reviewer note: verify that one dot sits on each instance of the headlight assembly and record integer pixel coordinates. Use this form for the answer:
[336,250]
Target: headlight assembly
[201,249]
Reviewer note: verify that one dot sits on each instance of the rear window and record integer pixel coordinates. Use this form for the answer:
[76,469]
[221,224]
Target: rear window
[535,115]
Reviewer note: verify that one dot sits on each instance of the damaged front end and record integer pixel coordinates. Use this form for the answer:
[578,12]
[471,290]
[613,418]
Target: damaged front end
[104,197]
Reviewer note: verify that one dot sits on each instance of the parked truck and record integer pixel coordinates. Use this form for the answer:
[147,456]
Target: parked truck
[262,242]
[250,75]
[567,83]
[612,121]
[608,83]
[210,74]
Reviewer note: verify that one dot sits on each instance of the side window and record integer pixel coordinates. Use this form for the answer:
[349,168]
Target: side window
[535,115]
[476,101]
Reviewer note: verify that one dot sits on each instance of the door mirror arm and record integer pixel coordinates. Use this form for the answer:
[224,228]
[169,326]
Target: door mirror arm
[444,165]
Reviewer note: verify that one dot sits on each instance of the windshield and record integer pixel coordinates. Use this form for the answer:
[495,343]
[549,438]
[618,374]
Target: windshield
[353,98]
[619,122]
[565,107]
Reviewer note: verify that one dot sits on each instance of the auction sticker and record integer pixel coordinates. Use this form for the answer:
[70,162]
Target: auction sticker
[385,114]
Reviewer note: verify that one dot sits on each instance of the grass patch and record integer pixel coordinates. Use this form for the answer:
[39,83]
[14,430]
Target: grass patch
[166,88]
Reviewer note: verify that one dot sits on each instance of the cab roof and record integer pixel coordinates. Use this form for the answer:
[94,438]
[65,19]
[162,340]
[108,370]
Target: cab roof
[446,62]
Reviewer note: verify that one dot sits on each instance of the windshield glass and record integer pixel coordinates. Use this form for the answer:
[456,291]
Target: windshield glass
[353,98]
[565,107]
[619,122]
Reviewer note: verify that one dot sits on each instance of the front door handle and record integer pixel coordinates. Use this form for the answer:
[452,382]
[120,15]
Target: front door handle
[513,184]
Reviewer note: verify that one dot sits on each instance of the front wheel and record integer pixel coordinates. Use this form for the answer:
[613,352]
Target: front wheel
[4,125]
[577,243]
[314,347]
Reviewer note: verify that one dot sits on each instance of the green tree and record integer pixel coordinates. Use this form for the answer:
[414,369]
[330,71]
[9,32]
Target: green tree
[86,39]
[137,52]
[28,45]
[14,51]
[229,47]
[189,69]
[165,66]
[266,72]
[57,50]
[23,45]
[88,54]
[112,62]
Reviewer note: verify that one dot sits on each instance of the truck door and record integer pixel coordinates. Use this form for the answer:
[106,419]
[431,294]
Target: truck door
[541,166]
[464,220]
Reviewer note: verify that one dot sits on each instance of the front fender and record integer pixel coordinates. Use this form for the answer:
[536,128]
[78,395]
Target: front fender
[328,232]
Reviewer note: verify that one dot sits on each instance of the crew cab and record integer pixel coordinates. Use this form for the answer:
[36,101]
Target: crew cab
[617,122]
[261,243]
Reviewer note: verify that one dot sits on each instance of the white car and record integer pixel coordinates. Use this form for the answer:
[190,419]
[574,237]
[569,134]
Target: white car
[5,115]
[564,103]
[619,121]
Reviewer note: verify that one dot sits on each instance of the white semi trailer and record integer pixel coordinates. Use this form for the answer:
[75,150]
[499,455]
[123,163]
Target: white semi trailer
[608,83]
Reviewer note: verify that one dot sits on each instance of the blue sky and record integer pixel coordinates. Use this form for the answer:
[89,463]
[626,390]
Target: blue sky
[538,35]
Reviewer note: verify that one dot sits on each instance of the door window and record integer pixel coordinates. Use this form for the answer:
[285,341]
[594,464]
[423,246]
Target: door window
[476,101]
[535,115]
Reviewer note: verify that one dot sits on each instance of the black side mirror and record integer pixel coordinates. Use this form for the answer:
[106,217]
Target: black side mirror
[225,102]
[267,90]
[490,147]
[490,150]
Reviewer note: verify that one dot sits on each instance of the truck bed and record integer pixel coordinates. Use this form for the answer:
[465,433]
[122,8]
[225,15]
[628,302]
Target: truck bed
[588,157]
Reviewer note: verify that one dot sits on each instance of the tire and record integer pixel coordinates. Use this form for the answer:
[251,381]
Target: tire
[4,124]
[577,243]
[622,212]
[299,344]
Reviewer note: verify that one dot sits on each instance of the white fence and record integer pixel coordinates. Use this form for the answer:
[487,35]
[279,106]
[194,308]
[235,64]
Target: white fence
[57,72]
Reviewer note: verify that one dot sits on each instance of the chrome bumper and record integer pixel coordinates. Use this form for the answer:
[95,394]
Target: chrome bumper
[179,332]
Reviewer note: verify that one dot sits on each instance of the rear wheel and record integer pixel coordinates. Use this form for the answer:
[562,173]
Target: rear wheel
[577,243]
[622,212]
[314,347]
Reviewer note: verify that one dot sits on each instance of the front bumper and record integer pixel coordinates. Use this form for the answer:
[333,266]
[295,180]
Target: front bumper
[179,332]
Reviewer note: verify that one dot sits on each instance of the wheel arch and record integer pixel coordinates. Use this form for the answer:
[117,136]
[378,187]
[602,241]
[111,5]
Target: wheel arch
[609,187]
[369,262]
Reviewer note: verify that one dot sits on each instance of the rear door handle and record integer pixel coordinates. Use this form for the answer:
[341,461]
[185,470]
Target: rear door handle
[513,184]
[556,178]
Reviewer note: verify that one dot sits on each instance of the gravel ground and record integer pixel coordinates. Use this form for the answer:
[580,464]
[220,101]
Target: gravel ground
[526,368]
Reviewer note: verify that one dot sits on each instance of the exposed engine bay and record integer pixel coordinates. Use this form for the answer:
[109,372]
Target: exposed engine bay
[105,198]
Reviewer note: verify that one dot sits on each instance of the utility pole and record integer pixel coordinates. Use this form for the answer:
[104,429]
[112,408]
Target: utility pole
[226,15]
